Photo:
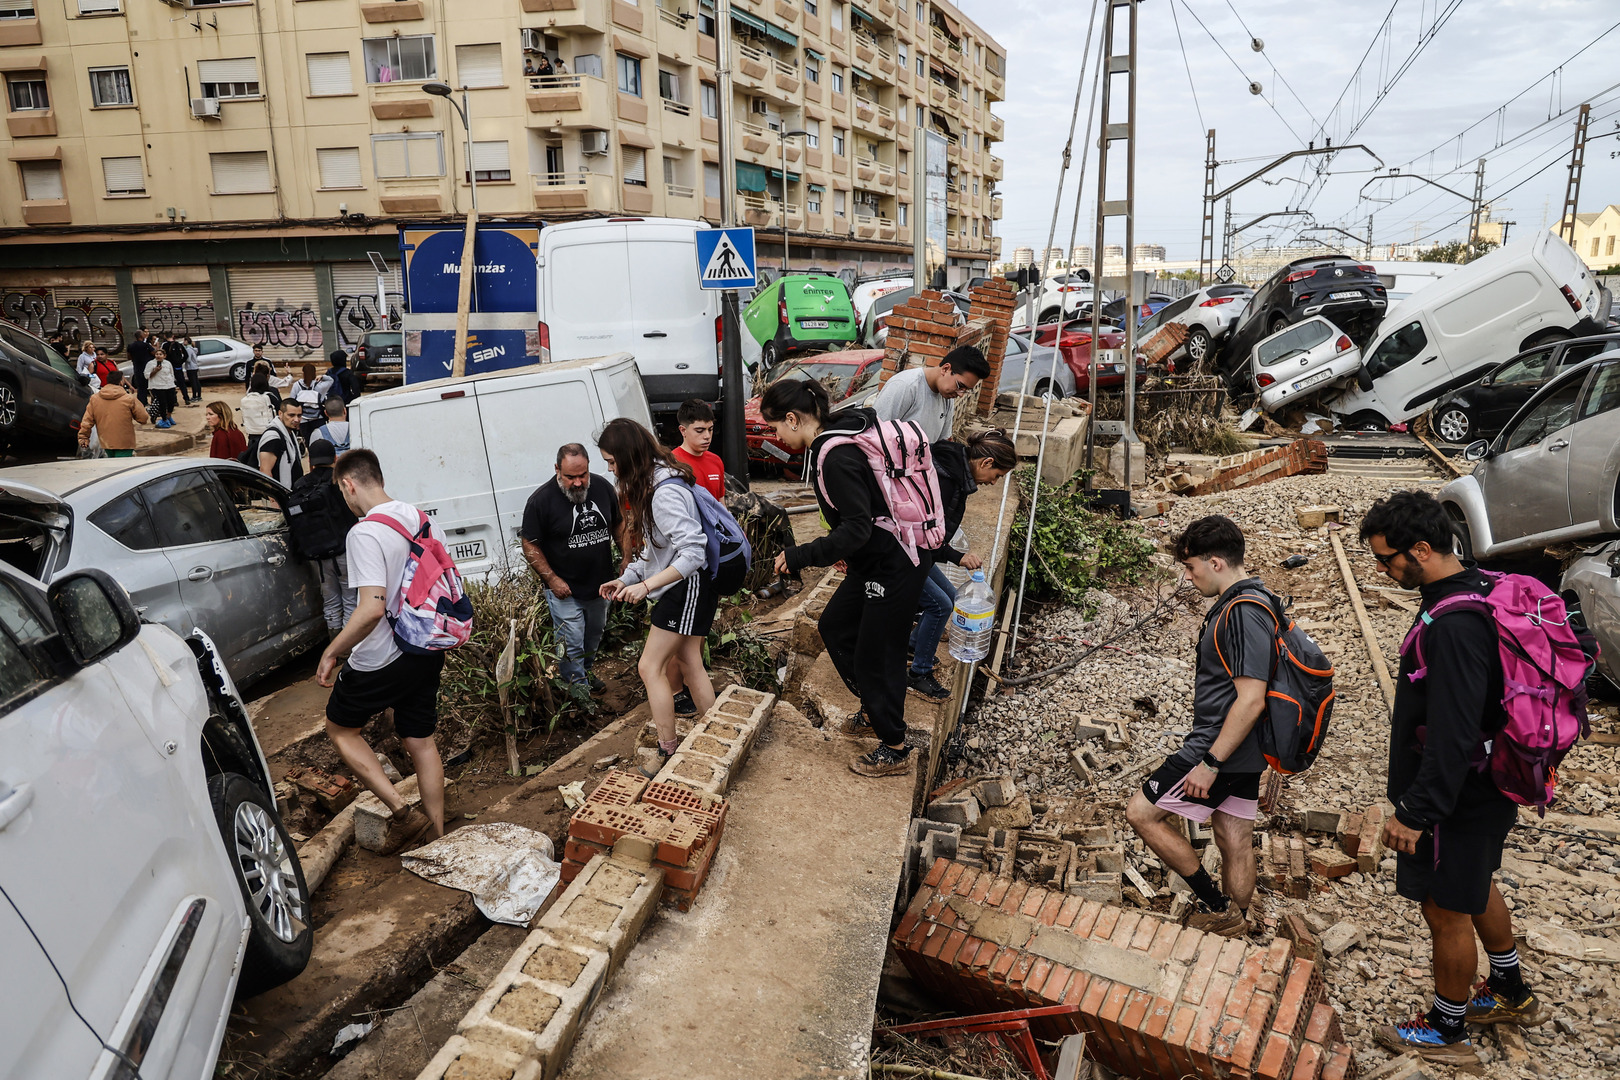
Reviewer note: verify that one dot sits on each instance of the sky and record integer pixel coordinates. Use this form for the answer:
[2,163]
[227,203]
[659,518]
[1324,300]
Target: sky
[1478,54]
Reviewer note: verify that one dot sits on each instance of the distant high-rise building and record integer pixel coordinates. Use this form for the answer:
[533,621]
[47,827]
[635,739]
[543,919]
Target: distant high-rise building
[1052,258]
[1113,253]
[1081,256]
[1022,257]
[1147,253]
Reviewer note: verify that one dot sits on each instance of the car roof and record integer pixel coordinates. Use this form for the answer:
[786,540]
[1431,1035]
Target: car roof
[843,356]
[64,478]
[1318,260]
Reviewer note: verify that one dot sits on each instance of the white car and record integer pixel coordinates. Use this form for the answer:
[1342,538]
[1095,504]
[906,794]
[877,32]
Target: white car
[220,357]
[145,876]
[865,292]
[1063,294]
[1301,361]
[1208,314]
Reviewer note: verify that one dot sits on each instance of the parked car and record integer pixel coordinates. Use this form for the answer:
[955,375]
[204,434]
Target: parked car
[221,357]
[1591,584]
[1208,314]
[798,313]
[42,395]
[1552,475]
[379,359]
[875,332]
[1347,292]
[1479,410]
[1452,332]
[1114,310]
[1062,295]
[842,373]
[867,290]
[1076,349]
[1044,376]
[197,542]
[142,851]
[1301,362]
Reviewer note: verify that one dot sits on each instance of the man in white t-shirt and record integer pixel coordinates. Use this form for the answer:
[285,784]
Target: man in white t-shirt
[379,675]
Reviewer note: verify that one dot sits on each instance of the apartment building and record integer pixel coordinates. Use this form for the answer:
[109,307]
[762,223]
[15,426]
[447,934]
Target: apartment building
[227,166]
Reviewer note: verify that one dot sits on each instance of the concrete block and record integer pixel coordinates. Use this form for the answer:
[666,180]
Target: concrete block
[372,818]
[1341,936]
[722,739]
[1086,731]
[1082,770]
[538,1002]
[1322,821]
[1018,814]
[1102,887]
[742,706]
[1116,460]
[1065,450]
[1111,860]
[605,907]
[1115,737]
[699,772]
[648,736]
[997,790]
[961,810]
[458,1059]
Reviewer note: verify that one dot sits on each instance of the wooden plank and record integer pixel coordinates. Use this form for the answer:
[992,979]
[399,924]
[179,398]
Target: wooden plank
[1373,651]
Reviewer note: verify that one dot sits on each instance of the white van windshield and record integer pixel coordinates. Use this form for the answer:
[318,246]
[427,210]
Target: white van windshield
[1397,349]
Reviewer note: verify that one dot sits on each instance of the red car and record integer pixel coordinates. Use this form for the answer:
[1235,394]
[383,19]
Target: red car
[1076,350]
[843,373]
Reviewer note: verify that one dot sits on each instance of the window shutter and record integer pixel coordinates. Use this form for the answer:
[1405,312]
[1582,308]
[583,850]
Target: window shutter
[339,167]
[423,156]
[89,7]
[388,156]
[329,73]
[125,175]
[240,172]
[241,69]
[479,65]
[490,157]
[711,180]
[17,5]
[635,164]
[42,179]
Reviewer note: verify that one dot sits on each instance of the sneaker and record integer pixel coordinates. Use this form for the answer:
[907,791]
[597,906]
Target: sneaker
[925,684]
[856,727]
[1491,1006]
[658,763]
[597,685]
[1416,1036]
[405,825]
[883,761]
[684,705]
[1230,923]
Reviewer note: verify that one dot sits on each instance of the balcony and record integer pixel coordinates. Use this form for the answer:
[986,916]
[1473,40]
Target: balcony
[885,64]
[46,212]
[885,175]
[995,245]
[680,124]
[390,11]
[753,65]
[679,191]
[576,192]
[937,92]
[995,88]
[31,122]
[866,225]
[569,101]
[866,170]
[885,228]
[568,14]
[885,10]
[866,113]
[756,140]
[765,213]
[993,168]
[995,208]
[787,77]
[866,47]
[20,32]
[399,101]
[997,127]
[953,151]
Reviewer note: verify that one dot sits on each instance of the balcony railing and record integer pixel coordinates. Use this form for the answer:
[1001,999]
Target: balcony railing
[679,108]
[574,191]
[679,191]
[673,18]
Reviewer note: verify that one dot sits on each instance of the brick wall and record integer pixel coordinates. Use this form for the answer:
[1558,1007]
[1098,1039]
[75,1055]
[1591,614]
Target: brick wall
[995,302]
[1157,999]
[923,329]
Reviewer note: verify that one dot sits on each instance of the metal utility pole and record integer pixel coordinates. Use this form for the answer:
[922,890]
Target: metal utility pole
[1479,206]
[1206,243]
[1572,190]
[1226,234]
[1368,256]
[1112,132]
[469,240]
[725,143]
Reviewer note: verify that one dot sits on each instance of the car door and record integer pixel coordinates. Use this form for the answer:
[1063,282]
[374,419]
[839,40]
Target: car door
[1594,451]
[1526,484]
[143,569]
[214,358]
[47,391]
[1500,394]
[259,506]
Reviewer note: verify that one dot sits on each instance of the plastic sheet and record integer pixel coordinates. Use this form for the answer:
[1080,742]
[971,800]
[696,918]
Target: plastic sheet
[508,869]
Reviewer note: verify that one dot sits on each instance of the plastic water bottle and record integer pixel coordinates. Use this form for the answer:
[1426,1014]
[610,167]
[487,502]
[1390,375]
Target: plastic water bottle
[973,620]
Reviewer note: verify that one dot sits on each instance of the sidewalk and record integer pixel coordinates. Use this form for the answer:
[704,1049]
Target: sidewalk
[189,434]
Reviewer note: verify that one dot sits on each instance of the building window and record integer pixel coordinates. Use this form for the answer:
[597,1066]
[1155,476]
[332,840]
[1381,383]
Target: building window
[635,165]
[672,171]
[329,74]
[975,187]
[903,213]
[711,180]
[919,116]
[1594,239]
[339,167]
[479,65]
[711,101]
[124,175]
[241,173]
[812,68]
[900,52]
[809,7]
[41,180]
[400,59]
[838,141]
[837,80]
[28,93]
[705,24]
[922,11]
[812,133]
[812,201]
[97,7]
[491,162]
[1608,246]
[236,78]
[838,203]
[629,75]
[835,15]
[669,85]
[922,67]
[407,154]
[975,227]
[110,87]
[24,9]
[902,160]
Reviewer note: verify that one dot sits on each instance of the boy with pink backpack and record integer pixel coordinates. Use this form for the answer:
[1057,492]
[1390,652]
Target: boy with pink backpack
[1489,698]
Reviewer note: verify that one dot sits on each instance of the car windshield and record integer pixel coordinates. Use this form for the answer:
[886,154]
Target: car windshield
[1293,341]
[1524,369]
[1550,414]
[392,337]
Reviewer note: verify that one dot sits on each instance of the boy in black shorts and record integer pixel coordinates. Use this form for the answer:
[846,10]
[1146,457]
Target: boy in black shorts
[1215,777]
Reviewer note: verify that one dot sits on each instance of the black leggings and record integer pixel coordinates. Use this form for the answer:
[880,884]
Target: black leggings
[865,627]
[165,400]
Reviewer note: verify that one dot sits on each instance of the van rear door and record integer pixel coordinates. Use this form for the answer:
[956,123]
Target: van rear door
[586,285]
[672,329]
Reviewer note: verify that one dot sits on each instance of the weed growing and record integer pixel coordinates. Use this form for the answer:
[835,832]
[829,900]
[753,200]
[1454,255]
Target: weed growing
[1075,549]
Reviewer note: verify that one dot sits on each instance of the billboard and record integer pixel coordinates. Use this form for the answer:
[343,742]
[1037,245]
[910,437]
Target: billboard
[934,221]
[505,302]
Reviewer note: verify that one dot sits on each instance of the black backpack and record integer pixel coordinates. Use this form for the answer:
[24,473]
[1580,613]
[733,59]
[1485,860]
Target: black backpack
[319,518]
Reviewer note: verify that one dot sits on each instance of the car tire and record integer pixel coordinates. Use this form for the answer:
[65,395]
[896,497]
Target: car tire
[10,412]
[768,355]
[1279,321]
[1465,539]
[1454,425]
[1045,387]
[1049,315]
[1366,418]
[267,871]
[1197,346]
[239,372]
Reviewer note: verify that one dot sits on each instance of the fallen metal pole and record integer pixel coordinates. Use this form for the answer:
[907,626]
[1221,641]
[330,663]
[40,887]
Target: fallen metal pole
[1373,651]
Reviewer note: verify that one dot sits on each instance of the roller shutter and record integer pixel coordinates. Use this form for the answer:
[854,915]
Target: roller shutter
[479,65]
[277,307]
[329,74]
[354,298]
[242,69]
[84,312]
[239,173]
[183,309]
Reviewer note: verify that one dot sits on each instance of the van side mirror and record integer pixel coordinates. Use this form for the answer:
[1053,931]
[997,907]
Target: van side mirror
[1614,563]
[1364,380]
[94,615]
[1478,450]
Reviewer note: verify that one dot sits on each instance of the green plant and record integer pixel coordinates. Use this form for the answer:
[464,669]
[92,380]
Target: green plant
[1075,549]
[745,653]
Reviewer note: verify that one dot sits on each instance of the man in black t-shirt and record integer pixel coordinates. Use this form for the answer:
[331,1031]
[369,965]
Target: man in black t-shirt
[569,528]
[141,352]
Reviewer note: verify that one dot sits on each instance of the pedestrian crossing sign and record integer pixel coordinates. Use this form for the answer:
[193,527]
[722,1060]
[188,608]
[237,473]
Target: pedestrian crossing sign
[725,258]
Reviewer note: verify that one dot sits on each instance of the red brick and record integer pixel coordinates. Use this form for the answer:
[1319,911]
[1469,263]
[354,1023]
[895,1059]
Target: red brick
[1324,1025]
[981,888]
[686,837]
[583,851]
[1057,981]
[998,892]
[1124,929]
[944,945]
[618,788]
[1308,1065]
[978,963]
[1146,931]
[1244,987]
[1001,967]
[690,877]
[1278,955]
[1276,1058]
[953,874]
[1201,1040]
[1107,919]
[1203,968]
[1152,1033]
[1340,1063]
[1033,901]
[1223,1045]
[1256,1028]
[1087,919]
[1049,909]
[602,823]
[671,797]
[1113,1005]
[1015,897]
[1164,941]
[1091,1002]
[1298,1000]
[935,907]
[968,881]
[570,869]
[1231,958]
[1039,970]
[1182,1020]
[1325,862]
[1187,943]
[1066,914]
[908,923]
[1131,1019]
[936,872]
[1294,928]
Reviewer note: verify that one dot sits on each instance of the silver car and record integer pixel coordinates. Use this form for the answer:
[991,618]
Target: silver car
[1208,315]
[1552,475]
[1041,373]
[1592,583]
[197,542]
[220,357]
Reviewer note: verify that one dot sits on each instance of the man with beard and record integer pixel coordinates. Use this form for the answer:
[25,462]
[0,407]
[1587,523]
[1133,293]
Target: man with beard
[569,528]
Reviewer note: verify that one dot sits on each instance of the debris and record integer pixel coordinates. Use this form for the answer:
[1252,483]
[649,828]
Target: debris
[508,869]
[1295,929]
[1370,850]
[1139,882]
[1294,562]
[1077,762]
[960,809]
[573,795]
[333,793]
[605,762]
[1321,821]
[997,790]
[350,1033]
[1328,863]
[1341,936]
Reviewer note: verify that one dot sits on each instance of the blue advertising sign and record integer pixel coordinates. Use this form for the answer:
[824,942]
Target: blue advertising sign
[725,258]
[506,274]
[487,350]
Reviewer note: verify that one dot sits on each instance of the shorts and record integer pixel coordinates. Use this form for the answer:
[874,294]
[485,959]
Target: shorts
[409,685]
[1459,879]
[1233,794]
[688,607]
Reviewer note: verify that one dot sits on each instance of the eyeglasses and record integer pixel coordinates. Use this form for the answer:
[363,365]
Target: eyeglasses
[1383,560]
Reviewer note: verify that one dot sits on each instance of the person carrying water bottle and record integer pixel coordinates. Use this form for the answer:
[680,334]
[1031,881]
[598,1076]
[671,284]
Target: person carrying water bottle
[866,622]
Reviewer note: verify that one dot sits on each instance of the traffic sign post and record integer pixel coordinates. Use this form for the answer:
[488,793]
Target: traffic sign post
[725,261]
[1225,274]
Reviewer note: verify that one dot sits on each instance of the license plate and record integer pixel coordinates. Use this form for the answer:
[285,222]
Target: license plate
[1312,380]
[470,549]
[813,324]
[1345,296]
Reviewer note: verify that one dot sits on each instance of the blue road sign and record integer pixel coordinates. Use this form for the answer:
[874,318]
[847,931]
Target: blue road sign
[725,258]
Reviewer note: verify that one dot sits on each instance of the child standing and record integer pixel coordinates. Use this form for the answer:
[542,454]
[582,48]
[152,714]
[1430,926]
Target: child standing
[696,419]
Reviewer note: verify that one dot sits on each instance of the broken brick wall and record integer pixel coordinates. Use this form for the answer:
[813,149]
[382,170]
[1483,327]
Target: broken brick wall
[923,329]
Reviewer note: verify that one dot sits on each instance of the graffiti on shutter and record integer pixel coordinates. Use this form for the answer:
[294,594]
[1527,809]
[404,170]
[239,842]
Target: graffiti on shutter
[354,298]
[77,311]
[176,309]
[275,307]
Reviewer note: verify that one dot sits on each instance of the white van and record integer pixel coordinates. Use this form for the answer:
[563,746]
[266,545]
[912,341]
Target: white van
[469,452]
[1402,279]
[631,285]
[1451,332]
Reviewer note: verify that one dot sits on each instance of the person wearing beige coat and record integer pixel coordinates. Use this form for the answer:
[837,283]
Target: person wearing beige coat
[113,411]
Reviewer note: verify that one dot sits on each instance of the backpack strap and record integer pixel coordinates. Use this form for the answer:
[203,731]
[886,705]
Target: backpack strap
[1266,601]
[393,523]
[1455,602]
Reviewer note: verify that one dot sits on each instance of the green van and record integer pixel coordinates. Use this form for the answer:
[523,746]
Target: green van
[800,313]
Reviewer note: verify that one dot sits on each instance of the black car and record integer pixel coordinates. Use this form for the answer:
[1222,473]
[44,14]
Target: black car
[1481,409]
[380,358]
[1347,292]
[42,395]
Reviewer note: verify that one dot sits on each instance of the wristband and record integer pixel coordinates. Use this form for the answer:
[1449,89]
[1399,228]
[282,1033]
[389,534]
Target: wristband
[1211,764]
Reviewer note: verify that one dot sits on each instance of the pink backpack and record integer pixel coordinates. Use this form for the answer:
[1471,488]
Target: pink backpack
[903,463]
[1544,668]
[434,613]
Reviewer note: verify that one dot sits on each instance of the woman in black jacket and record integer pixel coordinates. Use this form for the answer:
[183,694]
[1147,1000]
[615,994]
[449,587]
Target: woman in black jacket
[866,622]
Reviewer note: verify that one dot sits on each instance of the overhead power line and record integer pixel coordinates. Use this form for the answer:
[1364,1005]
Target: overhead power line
[1240,71]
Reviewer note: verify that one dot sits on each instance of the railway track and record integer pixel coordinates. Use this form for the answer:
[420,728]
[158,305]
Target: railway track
[1410,456]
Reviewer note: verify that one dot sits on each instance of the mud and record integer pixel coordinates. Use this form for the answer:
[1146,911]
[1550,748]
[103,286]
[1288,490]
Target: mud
[713,747]
[591,915]
[560,966]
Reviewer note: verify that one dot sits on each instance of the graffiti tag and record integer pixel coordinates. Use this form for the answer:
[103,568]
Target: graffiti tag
[169,317]
[357,316]
[47,311]
[279,327]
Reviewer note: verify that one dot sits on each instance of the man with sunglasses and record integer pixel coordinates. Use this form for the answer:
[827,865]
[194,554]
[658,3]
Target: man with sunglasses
[1450,821]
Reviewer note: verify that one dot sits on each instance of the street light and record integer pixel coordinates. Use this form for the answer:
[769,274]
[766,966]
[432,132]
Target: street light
[781,141]
[444,90]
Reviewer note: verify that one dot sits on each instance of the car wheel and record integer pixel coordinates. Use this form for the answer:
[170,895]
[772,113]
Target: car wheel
[1050,315]
[1367,419]
[1045,387]
[1454,425]
[1197,345]
[1465,539]
[271,879]
[239,372]
[8,412]
[1278,322]
[768,354]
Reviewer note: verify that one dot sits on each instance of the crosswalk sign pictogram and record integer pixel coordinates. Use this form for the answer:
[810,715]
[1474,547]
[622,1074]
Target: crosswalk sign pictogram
[725,258]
